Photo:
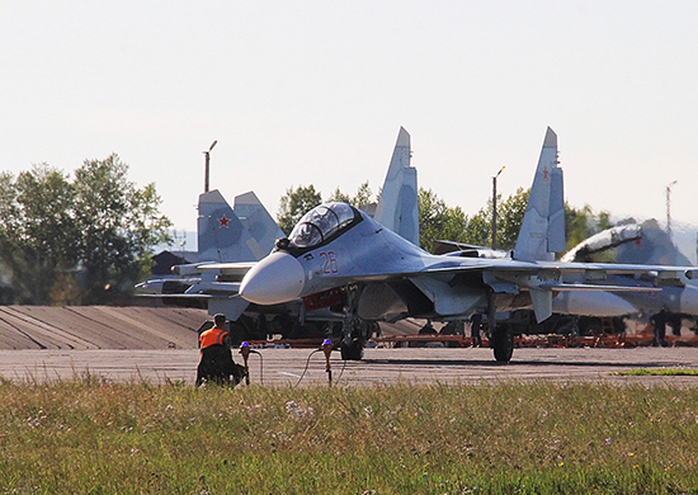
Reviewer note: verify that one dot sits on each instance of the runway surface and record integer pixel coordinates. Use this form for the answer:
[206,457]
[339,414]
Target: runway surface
[285,367]
[98,327]
[39,343]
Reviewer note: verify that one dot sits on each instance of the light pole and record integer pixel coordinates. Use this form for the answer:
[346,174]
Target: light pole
[207,154]
[494,207]
[668,208]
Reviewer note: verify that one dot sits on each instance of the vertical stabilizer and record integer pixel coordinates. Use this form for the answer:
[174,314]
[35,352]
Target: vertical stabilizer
[542,231]
[258,222]
[221,235]
[398,207]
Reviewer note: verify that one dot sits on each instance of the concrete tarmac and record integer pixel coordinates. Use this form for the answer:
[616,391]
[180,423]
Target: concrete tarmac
[288,367]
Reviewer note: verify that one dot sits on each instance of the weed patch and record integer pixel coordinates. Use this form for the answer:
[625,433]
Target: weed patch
[92,436]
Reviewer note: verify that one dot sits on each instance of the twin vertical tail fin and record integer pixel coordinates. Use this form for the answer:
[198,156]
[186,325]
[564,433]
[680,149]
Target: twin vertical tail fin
[398,207]
[542,232]
[221,234]
[258,222]
[246,233]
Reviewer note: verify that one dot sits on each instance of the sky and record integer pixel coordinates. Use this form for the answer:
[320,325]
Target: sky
[314,92]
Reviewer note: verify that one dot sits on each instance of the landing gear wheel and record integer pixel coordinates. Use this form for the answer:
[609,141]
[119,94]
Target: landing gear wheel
[503,343]
[352,351]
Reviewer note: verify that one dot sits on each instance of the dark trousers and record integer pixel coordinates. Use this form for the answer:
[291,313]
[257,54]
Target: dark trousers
[217,366]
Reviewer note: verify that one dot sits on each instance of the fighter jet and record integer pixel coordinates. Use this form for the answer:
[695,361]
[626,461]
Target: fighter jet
[646,243]
[231,240]
[336,250]
[546,203]
[240,237]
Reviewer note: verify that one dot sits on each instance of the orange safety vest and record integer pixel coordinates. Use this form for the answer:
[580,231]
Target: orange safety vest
[211,337]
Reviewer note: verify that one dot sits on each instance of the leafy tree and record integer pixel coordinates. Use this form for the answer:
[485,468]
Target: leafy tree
[120,224]
[297,202]
[294,204]
[85,241]
[339,197]
[37,231]
[510,213]
[582,223]
[363,196]
[438,221]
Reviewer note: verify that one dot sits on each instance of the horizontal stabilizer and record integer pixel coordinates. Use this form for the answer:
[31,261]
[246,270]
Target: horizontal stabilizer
[561,287]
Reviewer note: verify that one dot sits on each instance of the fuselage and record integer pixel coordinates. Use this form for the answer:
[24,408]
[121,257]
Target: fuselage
[335,245]
[320,256]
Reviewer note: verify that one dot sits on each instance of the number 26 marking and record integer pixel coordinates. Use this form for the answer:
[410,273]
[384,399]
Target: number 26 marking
[331,265]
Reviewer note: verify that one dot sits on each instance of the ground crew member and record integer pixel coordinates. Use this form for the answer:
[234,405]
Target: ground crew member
[475,326]
[217,363]
[658,322]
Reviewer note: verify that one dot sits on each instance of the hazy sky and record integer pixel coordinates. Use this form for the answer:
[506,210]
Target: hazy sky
[314,92]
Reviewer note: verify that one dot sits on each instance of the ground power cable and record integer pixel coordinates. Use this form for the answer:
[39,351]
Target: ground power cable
[245,351]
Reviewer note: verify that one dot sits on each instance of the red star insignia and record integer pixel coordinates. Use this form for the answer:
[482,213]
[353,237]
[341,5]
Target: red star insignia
[545,173]
[224,221]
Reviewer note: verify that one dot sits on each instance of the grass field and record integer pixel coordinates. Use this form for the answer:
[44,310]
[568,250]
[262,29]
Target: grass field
[89,436]
[659,372]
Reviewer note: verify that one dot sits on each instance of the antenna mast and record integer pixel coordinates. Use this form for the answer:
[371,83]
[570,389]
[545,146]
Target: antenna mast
[207,154]
[668,209]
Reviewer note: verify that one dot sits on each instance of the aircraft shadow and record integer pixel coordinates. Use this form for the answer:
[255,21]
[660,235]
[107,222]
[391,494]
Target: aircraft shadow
[512,364]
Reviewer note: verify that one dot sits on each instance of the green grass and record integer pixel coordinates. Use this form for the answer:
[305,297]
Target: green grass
[90,436]
[659,372]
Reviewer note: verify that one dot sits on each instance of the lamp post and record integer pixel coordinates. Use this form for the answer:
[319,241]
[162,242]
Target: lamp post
[668,208]
[494,207]
[207,154]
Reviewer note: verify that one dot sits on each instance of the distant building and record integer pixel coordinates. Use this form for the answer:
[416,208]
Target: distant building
[165,260]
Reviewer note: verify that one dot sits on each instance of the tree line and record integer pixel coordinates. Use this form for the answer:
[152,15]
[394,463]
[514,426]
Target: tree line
[87,238]
[83,239]
[438,221]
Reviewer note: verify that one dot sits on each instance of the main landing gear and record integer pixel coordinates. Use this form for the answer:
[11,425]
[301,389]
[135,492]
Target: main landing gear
[355,333]
[501,335]
[502,342]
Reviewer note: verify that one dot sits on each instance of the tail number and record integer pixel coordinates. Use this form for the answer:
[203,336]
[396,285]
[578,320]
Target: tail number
[331,265]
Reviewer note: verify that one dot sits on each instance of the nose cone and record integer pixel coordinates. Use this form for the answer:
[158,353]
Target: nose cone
[276,279]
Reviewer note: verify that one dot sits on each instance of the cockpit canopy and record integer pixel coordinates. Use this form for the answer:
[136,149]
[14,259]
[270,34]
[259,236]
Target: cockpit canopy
[323,223]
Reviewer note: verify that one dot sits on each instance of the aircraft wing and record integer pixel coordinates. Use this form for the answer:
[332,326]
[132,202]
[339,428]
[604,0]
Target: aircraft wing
[542,279]
[368,253]
[547,271]
[440,281]
[443,247]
